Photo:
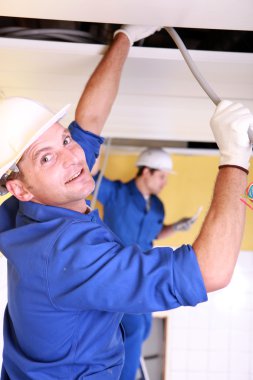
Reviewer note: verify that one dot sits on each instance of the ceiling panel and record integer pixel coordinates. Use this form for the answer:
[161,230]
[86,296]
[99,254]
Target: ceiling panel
[208,14]
[158,97]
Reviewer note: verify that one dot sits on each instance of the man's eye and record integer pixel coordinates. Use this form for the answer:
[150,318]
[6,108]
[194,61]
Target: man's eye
[45,159]
[67,140]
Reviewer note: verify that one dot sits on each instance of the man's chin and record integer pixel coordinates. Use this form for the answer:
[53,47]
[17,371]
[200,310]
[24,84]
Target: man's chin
[88,189]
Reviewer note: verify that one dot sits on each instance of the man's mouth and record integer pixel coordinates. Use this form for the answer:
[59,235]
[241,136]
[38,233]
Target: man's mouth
[74,176]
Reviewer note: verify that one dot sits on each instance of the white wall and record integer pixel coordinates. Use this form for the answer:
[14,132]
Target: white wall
[214,341]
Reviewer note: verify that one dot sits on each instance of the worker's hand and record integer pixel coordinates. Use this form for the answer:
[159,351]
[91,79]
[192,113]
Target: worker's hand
[230,125]
[137,32]
[183,224]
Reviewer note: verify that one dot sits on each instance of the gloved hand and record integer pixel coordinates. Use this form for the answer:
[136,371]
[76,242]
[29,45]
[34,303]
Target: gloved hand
[137,32]
[183,224]
[230,125]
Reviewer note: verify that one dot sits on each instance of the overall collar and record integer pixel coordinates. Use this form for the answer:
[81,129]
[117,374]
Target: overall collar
[44,213]
[138,197]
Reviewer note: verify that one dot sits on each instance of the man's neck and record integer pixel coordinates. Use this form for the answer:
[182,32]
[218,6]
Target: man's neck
[142,187]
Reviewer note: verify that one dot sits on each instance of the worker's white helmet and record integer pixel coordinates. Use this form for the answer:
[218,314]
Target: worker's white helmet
[22,121]
[155,158]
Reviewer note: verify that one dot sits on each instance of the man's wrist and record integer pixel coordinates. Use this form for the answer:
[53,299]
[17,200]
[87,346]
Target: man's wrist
[234,166]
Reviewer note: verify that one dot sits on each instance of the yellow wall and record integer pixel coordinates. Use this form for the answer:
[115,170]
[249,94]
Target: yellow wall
[190,188]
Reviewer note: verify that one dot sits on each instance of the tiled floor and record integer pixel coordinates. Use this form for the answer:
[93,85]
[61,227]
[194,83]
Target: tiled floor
[214,341]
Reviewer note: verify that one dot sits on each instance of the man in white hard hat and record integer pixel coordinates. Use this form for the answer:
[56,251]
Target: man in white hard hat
[136,215]
[70,279]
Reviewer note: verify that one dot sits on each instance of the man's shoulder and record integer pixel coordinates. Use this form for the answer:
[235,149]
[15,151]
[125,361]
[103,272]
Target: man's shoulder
[78,132]
[157,201]
[8,212]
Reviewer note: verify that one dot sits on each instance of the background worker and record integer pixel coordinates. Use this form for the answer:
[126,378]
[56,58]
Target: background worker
[70,279]
[135,214]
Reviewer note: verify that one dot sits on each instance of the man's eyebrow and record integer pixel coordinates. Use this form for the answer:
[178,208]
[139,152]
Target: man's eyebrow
[40,151]
[65,133]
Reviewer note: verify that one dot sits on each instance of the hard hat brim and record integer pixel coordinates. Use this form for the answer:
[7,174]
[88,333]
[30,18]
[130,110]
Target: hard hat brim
[54,119]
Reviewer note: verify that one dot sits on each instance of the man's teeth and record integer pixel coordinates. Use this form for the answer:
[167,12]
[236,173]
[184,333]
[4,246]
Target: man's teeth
[74,176]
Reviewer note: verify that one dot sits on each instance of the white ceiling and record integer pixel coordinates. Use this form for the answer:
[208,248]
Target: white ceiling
[158,98]
[213,14]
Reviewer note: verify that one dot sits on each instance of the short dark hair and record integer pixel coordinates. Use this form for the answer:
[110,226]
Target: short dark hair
[141,169]
[7,177]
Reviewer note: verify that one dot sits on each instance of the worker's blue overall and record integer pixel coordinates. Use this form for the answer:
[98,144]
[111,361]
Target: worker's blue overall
[134,221]
[69,282]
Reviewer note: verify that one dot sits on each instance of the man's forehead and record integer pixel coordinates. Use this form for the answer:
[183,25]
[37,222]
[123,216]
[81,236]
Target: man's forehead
[161,172]
[48,137]
[56,130]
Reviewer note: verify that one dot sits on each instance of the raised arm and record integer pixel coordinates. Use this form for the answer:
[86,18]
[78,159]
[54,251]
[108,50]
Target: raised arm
[101,89]
[218,244]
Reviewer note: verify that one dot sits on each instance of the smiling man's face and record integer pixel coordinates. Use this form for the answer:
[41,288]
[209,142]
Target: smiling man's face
[54,171]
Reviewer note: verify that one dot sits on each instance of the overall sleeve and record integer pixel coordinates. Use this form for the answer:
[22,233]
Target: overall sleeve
[89,270]
[107,189]
[88,141]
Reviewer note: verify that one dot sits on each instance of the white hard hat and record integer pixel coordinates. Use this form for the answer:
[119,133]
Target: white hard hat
[22,121]
[155,158]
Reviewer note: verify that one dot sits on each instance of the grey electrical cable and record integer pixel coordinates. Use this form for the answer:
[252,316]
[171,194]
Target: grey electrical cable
[102,171]
[10,29]
[188,59]
[201,80]
[53,33]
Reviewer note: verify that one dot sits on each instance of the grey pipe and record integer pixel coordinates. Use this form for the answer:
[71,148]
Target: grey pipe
[201,80]
[101,174]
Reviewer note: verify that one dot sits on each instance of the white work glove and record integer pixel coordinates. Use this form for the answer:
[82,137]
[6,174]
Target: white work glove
[137,32]
[183,224]
[230,125]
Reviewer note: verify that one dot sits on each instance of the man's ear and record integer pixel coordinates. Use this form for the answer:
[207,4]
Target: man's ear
[19,190]
[146,172]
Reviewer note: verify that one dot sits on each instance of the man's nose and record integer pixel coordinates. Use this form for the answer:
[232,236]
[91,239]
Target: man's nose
[69,157]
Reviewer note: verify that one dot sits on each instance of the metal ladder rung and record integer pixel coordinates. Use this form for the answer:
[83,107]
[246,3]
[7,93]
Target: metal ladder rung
[143,370]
